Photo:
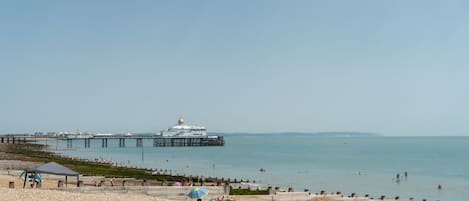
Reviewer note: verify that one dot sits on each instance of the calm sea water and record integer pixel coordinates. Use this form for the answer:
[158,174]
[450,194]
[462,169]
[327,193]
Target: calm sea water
[364,165]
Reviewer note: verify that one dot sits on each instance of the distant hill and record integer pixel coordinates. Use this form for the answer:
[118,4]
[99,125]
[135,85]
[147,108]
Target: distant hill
[302,134]
[299,134]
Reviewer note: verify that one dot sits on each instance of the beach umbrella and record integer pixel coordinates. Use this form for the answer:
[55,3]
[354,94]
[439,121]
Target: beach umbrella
[197,193]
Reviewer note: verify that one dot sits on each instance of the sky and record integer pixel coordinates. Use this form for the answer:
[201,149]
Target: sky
[389,67]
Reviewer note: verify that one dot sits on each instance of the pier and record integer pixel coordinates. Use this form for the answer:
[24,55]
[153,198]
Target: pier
[123,140]
[13,139]
[138,141]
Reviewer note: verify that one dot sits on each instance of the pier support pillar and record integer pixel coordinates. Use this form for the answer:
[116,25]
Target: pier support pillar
[226,188]
[121,142]
[69,143]
[2,139]
[104,143]
[139,142]
[87,143]
[8,140]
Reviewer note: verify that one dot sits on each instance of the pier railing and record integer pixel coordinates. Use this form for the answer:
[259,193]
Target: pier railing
[123,141]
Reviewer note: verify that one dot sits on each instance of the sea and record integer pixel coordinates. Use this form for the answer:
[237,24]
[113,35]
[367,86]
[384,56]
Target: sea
[361,165]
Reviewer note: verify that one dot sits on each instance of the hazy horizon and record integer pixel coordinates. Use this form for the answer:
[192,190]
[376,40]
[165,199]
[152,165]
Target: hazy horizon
[387,67]
[319,134]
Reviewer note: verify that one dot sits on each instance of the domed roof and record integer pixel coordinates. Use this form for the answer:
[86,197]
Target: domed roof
[180,120]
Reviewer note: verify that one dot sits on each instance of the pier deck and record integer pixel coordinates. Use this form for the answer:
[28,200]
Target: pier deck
[138,140]
[157,141]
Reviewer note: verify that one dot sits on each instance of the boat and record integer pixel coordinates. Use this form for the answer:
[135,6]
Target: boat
[182,135]
[181,130]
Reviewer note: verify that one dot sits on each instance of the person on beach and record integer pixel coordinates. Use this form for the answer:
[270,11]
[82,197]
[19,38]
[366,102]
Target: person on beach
[397,178]
[439,187]
[405,175]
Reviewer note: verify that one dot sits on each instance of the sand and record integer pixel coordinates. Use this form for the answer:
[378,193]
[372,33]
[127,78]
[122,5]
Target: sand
[47,193]
[54,195]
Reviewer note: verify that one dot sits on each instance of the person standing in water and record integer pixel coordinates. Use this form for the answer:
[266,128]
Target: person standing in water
[405,175]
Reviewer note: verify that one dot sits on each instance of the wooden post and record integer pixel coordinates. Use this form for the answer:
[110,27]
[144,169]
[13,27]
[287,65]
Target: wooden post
[226,188]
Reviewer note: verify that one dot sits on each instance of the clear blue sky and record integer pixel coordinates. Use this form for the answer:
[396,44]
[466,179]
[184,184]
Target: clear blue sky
[391,67]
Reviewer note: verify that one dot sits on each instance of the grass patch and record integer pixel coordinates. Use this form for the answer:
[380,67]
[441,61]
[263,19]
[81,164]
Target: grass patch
[37,153]
[234,191]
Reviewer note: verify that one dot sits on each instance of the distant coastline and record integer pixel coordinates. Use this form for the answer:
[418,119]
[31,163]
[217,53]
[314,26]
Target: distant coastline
[303,134]
[298,134]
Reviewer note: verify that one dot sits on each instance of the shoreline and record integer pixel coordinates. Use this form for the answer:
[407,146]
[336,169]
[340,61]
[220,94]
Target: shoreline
[36,153]
[41,154]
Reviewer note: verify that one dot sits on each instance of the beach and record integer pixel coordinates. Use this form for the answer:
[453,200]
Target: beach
[49,190]
[11,168]
[161,180]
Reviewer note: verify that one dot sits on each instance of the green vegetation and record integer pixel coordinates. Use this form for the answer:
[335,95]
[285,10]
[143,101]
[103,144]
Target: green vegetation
[248,192]
[36,153]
